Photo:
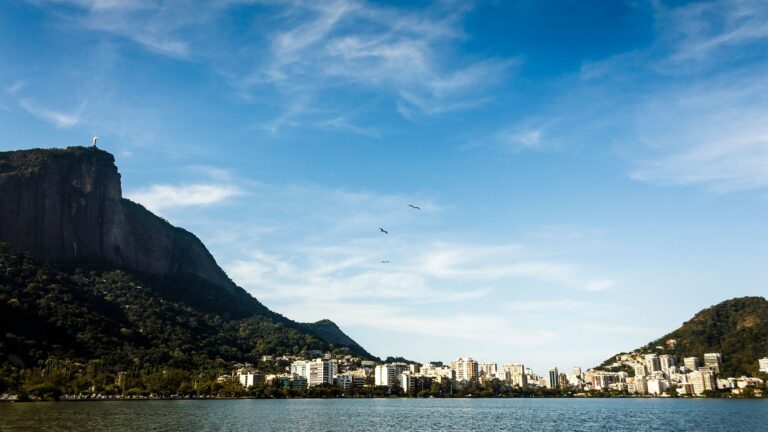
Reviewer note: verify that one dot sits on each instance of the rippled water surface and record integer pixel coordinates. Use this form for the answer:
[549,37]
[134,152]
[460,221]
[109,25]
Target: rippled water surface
[392,415]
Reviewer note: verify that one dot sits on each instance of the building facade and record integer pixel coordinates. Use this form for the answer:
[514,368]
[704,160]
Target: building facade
[250,377]
[691,363]
[487,369]
[702,380]
[316,372]
[668,363]
[714,361]
[389,374]
[554,378]
[652,363]
[763,364]
[466,369]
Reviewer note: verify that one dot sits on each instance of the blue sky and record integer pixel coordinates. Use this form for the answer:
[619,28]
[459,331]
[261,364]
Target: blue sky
[590,173]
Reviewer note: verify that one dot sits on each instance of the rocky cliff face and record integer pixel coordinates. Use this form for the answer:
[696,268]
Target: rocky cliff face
[64,205]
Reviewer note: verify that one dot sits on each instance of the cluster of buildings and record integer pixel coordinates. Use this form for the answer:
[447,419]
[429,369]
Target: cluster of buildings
[413,378]
[641,374]
[655,374]
[345,371]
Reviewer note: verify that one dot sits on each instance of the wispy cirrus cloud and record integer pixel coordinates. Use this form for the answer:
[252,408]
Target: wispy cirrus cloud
[711,32]
[161,27]
[306,49]
[523,138]
[60,119]
[343,124]
[336,251]
[163,197]
[504,262]
[709,130]
[16,87]
[713,135]
[690,109]
[375,49]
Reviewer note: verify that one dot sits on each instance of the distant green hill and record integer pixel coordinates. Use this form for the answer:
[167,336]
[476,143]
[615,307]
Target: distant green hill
[736,328]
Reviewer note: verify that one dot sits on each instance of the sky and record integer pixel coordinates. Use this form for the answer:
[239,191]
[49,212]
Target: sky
[590,174]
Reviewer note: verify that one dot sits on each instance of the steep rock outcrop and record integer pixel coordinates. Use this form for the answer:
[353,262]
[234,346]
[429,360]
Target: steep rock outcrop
[64,205]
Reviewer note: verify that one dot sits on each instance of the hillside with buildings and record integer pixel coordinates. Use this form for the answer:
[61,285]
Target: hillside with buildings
[736,328]
[101,298]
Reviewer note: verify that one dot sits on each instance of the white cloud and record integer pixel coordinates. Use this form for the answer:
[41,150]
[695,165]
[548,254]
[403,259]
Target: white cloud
[713,135]
[703,33]
[16,87]
[600,284]
[306,48]
[546,306]
[706,128]
[425,273]
[161,27]
[60,119]
[358,44]
[342,123]
[689,110]
[158,198]
[515,140]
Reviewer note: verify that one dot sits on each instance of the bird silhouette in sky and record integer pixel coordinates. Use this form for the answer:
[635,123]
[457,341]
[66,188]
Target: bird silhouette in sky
[385,262]
[414,207]
[383,230]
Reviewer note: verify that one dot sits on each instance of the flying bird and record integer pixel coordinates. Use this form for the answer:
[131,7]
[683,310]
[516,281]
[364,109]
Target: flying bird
[414,207]
[385,262]
[94,140]
[383,230]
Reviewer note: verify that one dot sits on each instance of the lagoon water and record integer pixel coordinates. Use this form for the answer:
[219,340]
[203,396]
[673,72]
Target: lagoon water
[391,415]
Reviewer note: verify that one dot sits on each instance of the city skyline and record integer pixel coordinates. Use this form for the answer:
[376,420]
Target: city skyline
[588,176]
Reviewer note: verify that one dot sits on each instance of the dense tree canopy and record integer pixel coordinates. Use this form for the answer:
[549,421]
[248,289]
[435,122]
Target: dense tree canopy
[127,320]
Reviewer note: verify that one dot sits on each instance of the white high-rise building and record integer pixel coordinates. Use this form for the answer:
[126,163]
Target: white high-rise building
[321,371]
[640,385]
[389,374]
[691,363]
[668,362]
[249,377]
[714,361]
[702,381]
[657,386]
[639,369]
[465,369]
[514,374]
[316,372]
[554,378]
[487,369]
[652,363]
[298,367]
[763,364]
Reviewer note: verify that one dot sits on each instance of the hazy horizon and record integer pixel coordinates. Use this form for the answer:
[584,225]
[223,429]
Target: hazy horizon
[589,175]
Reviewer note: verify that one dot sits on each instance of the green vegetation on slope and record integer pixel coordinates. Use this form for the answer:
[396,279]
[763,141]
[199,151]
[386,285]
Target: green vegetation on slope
[736,328]
[124,319]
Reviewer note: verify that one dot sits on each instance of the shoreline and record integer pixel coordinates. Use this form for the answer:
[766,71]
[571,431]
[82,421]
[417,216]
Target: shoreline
[150,399]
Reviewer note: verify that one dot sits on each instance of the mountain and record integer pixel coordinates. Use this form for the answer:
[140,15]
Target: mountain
[86,273]
[736,328]
[66,205]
